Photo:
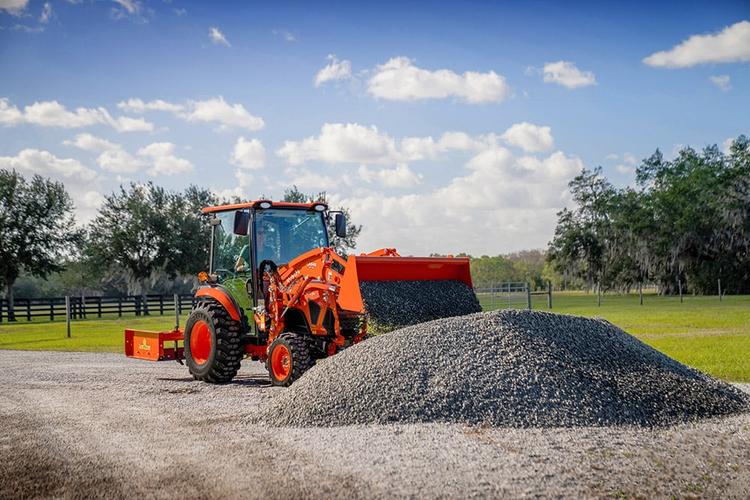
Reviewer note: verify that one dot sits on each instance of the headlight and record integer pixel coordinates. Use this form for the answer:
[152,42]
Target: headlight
[319,207]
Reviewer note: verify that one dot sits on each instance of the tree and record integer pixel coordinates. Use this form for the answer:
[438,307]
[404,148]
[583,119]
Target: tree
[340,245]
[37,228]
[686,224]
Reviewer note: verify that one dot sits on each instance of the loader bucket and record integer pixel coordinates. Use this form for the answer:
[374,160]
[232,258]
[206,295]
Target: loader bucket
[153,346]
[405,290]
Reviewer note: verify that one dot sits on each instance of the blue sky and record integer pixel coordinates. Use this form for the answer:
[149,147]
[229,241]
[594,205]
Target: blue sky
[528,93]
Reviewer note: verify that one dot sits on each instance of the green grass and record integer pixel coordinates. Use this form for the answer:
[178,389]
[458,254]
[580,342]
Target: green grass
[702,332]
[102,335]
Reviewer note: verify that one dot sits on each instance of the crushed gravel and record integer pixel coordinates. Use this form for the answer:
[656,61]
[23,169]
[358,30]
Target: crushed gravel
[395,304]
[99,425]
[504,368]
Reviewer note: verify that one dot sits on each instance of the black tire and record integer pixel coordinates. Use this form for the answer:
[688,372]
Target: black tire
[300,358]
[225,355]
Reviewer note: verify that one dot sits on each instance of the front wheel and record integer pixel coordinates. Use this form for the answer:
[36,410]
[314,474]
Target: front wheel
[212,343]
[288,358]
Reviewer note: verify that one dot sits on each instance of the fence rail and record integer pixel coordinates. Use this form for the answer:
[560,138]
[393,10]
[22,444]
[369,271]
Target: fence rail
[93,307]
[511,295]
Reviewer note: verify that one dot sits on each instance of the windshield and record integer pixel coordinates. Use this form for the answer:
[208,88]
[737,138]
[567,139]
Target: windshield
[230,253]
[284,234]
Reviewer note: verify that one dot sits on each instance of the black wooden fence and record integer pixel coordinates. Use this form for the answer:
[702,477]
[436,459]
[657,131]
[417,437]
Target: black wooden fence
[94,307]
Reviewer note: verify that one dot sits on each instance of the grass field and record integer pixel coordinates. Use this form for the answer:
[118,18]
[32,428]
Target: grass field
[702,332]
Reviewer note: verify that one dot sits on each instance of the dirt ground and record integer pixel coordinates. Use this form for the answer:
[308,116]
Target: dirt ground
[83,425]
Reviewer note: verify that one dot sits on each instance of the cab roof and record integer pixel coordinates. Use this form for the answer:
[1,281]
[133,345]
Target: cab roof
[254,204]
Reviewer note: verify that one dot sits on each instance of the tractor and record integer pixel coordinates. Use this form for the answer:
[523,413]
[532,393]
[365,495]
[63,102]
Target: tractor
[276,292]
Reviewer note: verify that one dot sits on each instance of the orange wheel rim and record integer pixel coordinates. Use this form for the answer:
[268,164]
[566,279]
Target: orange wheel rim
[281,362]
[200,342]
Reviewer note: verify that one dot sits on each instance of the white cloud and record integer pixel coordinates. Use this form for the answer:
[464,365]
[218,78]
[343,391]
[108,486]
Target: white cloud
[305,179]
[629,159]
[352,143]
[248,154]
[14,7]
[46,164]
[566,73]
[611,156]
[400,177]
[500,203]
[131,6]
[724,82]
[54,114]
[342,143]
[400,80]
[421,148]
[218,37]
[333,71]
[130,9]
[217,110]
[135,105]
[80,181]
[625,169]
[727,144]
[213,110]
[163,160]
[732,44]
[88,142]
[286,35]
[529,137]
[112,157]
[46,14]
[159,157]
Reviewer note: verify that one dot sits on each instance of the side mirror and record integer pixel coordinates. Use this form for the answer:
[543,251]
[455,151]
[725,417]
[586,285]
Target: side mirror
[340,223]
[241,222]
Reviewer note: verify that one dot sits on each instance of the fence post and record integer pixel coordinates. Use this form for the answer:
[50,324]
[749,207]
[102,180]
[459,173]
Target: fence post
[51,310]
[640,292]
[176,312]
[119,307]
[679,286]
[161,305]
[2,301]
[67,314]
[137,300]
[719,283]
[99,304]
[549,294]
[528,296]
[598,294]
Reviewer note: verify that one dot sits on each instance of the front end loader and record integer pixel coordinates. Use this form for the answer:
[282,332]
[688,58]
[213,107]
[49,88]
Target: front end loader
[276,292]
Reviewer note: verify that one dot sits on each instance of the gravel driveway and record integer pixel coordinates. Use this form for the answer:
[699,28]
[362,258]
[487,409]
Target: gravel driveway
[79,424]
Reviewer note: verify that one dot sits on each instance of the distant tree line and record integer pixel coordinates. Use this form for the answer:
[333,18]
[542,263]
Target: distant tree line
[685,223]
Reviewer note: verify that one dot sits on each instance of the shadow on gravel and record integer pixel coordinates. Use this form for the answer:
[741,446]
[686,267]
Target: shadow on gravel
[259,381]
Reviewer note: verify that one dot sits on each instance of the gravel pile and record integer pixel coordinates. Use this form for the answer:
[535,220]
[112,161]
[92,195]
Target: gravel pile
[395,304]
[503,368]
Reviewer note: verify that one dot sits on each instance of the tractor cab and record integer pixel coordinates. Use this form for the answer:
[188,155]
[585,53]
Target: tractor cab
[249,239]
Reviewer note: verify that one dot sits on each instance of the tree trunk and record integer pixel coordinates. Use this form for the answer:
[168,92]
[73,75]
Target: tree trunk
[11,312]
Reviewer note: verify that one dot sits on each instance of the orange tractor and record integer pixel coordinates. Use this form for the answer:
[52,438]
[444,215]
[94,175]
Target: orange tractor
[276,292]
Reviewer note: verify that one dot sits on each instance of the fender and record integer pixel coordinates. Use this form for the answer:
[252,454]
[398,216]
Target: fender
[222,297]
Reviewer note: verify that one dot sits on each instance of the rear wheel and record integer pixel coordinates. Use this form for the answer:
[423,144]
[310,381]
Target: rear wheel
[288,358]
[212,343]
